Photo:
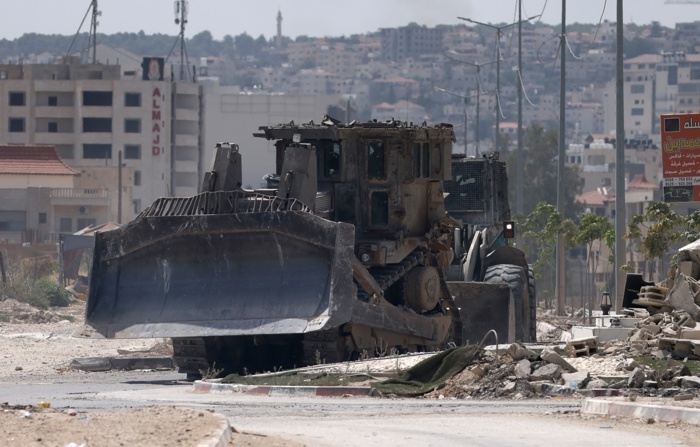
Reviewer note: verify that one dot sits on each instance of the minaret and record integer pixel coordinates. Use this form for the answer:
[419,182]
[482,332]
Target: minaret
[278,39]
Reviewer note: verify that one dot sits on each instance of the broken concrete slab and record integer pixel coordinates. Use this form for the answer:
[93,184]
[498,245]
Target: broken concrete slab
[518,352]
[690,382]
[550,356]
[550,371]
[636,378]
[682,297]
[91,364]
[522,369]
[576,380]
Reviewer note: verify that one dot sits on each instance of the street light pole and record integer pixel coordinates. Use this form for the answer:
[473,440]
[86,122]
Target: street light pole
[478,91]
[465,98]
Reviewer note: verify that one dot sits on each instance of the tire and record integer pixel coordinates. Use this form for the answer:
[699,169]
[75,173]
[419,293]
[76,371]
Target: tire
[516,278]
[532,298]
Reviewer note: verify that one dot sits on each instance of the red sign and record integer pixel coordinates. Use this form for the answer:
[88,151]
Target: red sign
[680,143]
[155,118]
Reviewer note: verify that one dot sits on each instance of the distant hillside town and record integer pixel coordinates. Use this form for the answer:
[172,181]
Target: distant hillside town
[133,118]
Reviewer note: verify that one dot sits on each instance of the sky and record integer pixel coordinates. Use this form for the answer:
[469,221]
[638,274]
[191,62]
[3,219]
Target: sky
[315,18]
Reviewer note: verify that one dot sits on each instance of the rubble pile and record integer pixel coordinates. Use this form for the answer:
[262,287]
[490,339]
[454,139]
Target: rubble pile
[523,373]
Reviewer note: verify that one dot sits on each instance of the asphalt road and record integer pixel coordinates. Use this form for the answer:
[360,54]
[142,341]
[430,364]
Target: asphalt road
[346,422]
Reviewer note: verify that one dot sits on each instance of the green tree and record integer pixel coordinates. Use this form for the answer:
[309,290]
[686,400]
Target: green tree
[540,177]
[656,229]
[538,234]
[592,229]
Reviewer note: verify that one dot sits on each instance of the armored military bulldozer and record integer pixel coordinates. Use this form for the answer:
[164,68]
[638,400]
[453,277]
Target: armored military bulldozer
[367,238]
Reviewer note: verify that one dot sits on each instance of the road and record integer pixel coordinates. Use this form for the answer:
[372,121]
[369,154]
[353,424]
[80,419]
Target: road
[354,421]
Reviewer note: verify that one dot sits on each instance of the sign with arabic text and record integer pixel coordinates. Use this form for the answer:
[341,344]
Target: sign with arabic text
[680,143]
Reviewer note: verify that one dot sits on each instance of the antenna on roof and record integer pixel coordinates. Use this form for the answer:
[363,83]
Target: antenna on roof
[92,38]
[181,7]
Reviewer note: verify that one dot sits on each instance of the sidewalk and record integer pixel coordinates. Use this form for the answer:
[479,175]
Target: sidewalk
[660,410]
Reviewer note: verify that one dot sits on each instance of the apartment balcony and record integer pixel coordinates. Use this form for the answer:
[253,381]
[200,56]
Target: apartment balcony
[186,140]
[54,138]
[54,112]
[187,115]
[186,166]
[79,196]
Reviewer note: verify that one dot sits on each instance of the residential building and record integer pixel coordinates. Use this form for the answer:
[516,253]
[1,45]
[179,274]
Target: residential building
[93,113]
[42,197]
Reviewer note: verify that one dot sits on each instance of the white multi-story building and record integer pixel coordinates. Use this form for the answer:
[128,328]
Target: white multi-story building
[94,113]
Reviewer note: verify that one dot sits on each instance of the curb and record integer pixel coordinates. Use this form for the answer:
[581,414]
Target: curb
[98,364]
[200,386]
[222,438]
[660,413]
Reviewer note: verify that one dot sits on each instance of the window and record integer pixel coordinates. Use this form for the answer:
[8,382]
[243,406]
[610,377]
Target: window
[637,111]
[53,127]
[97,151]
[42,218]
[137,178]
[672,75]
[416,160]
[66,225]
[375,160]
[637,88]
[331,161]
[132,151]
[132,99]
[13,221]
[96,98]
[132,125]
[137,205]
[606,181]
[53,101]
[379,216]
[695,74]
[16,125]
[17,98]
[425,160]
[97,125]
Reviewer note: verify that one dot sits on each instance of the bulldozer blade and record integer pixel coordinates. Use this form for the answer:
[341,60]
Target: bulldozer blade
[286,272]
[483,307]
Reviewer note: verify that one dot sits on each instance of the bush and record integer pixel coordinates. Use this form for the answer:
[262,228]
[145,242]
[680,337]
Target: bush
[56,295]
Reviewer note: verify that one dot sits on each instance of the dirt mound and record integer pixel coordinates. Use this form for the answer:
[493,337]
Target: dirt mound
[16,312]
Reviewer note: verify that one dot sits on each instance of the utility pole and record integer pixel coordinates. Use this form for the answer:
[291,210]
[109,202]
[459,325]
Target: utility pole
[561,261]
[478,92]
[519,181]
[498,29]
[620,210]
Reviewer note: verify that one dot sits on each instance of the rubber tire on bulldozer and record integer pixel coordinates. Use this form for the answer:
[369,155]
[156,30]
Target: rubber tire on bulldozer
[532,292]
[516,279]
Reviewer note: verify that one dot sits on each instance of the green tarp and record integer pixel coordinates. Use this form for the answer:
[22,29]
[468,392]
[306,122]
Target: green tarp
[430,373]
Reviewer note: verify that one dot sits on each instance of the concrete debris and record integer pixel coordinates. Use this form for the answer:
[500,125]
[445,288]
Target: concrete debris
[522,369]
[577,380]
[518,352]
[549,356]
[636,378]
[550,371]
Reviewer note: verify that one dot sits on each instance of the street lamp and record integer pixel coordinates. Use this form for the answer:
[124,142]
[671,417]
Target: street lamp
[465,114]
[478,89]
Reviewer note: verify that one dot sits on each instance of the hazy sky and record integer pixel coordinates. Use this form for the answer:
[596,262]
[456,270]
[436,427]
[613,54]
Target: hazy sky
[313,17]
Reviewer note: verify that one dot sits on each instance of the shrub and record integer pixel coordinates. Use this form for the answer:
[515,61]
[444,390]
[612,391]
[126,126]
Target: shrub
[56,295]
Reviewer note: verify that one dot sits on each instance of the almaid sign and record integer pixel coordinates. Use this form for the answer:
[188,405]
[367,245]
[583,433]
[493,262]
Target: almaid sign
[680,143]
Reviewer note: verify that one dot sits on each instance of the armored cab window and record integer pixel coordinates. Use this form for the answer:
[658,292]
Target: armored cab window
[331,160]
[425,160]
[416,160]
[375,160]
[380,209]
